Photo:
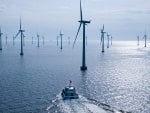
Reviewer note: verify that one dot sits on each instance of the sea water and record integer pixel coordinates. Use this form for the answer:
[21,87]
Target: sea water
[119,77]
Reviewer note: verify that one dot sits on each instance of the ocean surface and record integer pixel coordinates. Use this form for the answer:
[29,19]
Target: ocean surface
[119,78]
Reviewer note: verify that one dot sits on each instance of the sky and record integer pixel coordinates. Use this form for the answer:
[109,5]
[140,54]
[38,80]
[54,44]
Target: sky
[123,19]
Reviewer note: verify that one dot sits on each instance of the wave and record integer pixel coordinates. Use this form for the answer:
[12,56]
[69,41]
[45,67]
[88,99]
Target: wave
[81,105]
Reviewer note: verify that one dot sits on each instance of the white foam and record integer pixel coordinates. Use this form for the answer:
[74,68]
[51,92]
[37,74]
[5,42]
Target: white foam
[94,108]
[81,105]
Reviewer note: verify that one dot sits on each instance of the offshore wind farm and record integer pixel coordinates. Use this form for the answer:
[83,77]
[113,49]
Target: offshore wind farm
[106,59]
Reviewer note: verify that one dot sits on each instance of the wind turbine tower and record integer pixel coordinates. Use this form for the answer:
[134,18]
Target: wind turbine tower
[108,40]
[22,36]
[1,39]
[138,40]
[32,40]
[111,40]
[69,40]
[13,40]
[61,39]
[43,40]
[84,23]
[102,39]
[6,39]
[57,40]
[38,37]
[145,38]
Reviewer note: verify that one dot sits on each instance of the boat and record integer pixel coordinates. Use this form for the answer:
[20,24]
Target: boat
[69,92]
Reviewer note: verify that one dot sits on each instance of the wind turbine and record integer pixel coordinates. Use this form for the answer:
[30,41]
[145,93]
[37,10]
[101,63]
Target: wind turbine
[57,40]
[108,40]
[69,40]
[102,39]
[1,39]
[145,38]
[22,36]
[43,40]
[13,40]
[111,40]
[84,23]
[32,40]
[138,40]
[61,39]
[6,39]
[38,36]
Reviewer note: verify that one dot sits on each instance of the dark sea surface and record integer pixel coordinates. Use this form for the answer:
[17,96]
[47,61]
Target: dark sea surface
[120,77]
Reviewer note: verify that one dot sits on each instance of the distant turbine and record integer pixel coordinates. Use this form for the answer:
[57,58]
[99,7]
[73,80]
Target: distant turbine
[61,39]
[32,40]
[43,40]
[57,40]
[138,40]
[145,38]
[1,39]
[22,36]
[38,36]
[13,40]
[102,39]
[108,40]
[6,39]
[84,22]
[111,40]
[69,40]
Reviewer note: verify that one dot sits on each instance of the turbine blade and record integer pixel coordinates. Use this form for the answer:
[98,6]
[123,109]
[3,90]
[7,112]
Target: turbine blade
[20,22]
[17,35]
[77,34]
[101,39]
[23,35]
[81,11]
[103,27]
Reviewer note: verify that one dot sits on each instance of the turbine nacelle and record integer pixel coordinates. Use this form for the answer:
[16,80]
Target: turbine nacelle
[102,31]
[84,21]
[108,35]
[61,34]
[21,30]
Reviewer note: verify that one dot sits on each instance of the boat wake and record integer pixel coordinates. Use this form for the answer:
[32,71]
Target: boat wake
[81,105]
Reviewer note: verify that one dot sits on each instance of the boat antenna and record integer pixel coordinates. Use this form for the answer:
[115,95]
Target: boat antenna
[70,83]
